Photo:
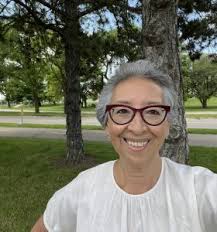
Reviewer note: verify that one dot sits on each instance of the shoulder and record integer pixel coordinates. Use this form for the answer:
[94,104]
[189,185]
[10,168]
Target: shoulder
[61,210]
[87,178]
[197,176]
[199,179]
[173,168]
[182,169]
[99,169]
[199,184]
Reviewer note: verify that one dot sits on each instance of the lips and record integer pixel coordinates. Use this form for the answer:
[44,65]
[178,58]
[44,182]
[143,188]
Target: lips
[136,144]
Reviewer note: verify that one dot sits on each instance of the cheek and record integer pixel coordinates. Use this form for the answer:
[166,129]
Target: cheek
[162,131]
[112,130]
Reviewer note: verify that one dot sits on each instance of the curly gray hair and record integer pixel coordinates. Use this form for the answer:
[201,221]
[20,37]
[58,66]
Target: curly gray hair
[142,69]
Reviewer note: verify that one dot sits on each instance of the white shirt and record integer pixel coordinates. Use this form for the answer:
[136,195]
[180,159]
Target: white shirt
[184,199]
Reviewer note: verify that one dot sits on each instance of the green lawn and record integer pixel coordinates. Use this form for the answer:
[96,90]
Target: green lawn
[31,170]
[201,116]
[95,127]
[193,104]
[50,114]
[45,108]
[49,126]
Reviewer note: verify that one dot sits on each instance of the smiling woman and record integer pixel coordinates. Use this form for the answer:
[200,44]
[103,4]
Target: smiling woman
[140,191]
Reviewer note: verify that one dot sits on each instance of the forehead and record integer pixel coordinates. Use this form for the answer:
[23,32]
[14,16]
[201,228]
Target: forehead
[137,90]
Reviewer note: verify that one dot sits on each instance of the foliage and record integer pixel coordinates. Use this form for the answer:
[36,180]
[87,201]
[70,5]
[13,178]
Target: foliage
[54,91]
[23,67]
[186,66]
[197,23]
[67,20]
[203,79]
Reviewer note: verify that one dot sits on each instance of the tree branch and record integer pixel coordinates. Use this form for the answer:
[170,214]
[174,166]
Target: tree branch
[52,8]
[137,10]
[97,5]
[36,16]
[108,4]
[4,6]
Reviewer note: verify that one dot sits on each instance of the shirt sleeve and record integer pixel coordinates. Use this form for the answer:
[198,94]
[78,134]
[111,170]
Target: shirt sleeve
[61,211]
[206,194]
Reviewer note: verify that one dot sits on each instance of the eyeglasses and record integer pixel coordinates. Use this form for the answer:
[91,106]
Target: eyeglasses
[153,115]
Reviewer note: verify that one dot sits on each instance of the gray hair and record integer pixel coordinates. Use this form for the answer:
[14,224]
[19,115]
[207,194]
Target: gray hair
[142,69]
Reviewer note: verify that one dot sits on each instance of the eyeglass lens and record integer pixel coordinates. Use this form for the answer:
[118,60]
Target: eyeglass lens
[152,115]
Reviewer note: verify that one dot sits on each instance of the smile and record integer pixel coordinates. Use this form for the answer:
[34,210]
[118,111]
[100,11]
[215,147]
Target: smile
[137,144]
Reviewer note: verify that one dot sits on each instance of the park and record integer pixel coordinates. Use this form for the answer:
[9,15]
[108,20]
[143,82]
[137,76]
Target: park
[55,59]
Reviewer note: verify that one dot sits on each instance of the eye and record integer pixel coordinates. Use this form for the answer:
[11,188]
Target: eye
[121,111]
[153,112]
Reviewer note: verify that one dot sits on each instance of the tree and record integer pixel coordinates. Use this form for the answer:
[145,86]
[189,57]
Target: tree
[54,84]
[197,22]
[186,66]
[64,18]
[160,45]
[96,61]
[203,79]
[24,67]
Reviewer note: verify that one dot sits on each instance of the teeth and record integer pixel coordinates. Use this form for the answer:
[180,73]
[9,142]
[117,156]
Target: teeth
[137,144]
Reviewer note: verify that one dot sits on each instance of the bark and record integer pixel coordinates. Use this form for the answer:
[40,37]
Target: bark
[75,150]
[84,102]
[36,100]
[36,104]
[160,45]
[204,103]
[9,103]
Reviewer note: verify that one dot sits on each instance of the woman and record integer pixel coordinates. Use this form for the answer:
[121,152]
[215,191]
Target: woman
[140,191]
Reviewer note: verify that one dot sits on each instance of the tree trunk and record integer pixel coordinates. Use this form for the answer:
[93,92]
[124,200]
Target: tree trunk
[204,103]
[36,101]
[75,149]
[160,45]
[84,102]
[9,103]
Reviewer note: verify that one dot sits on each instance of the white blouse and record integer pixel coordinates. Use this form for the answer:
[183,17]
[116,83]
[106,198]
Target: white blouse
[184,199]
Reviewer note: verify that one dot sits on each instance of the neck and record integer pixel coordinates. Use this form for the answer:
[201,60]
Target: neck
[137,179]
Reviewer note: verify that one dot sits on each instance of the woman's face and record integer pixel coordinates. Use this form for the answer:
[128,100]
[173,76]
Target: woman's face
[137,141]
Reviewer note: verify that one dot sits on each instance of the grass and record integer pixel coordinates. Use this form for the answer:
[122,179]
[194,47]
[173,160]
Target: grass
[201,116]
[95,127]
[49,114]
[92,114]
[14,113]
[49,126]
[193,104]
[204,156]
[46,107]
[29,175]
[202,131]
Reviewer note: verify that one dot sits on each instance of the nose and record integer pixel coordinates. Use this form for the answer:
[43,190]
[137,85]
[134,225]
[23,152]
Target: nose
[137,125]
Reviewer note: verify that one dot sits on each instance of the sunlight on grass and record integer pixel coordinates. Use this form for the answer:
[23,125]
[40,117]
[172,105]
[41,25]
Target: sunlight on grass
[193,104]
[95,127]
[30,174]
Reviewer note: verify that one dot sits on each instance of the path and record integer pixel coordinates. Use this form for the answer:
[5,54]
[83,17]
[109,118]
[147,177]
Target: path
[91,135]
[209,123]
